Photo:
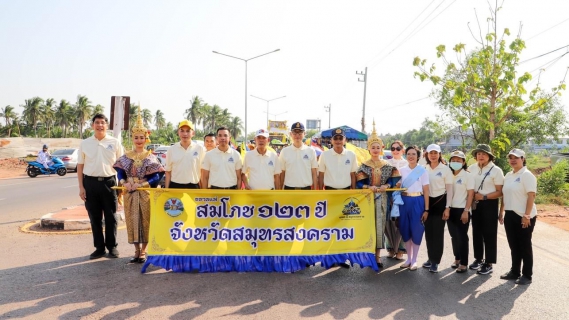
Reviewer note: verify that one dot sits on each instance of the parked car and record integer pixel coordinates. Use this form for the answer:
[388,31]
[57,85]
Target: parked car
[387,154]
[153,146]
[68,156]
[160,153]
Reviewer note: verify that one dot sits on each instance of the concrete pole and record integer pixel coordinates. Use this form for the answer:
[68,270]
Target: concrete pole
[365,87]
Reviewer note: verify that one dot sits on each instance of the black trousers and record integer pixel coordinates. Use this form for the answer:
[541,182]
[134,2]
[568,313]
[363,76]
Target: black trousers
[435,228]
[175,185]
[519,240]
[297,188]
[215,187]
[330,188]
[459,235]
[101,201]
[485,230]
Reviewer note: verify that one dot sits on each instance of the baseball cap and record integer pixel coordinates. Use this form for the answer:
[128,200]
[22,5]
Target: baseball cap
[339,132]
[458,153]
[262,133]
[297,126]
[434,147]
[518,153]
[186,123]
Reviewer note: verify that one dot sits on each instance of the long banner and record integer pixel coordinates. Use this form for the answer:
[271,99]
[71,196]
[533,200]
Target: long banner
[270,231]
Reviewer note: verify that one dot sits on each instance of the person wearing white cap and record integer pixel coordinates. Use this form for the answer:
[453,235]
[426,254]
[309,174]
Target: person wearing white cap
[221,167]
[459,218]
[440,197]
[261,167]
[183,160]
[520,187]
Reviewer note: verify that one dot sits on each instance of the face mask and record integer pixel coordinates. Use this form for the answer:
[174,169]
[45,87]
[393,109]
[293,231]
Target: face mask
[456,165]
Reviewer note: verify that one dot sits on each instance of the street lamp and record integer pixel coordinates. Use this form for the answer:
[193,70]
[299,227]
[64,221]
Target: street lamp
[268,105]
[275,115]
[245,60]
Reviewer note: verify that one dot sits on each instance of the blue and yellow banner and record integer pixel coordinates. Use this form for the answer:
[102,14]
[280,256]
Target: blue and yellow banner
[271,231]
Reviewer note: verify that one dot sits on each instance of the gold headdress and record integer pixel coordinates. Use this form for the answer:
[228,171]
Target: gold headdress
[139,128]
[374,138]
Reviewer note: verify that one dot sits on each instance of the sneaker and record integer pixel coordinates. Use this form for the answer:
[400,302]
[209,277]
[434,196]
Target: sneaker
[509,276]
[485,269]
[113,253]
[97,254]
[523,280]
[427,264]
[434,268]
[476,264]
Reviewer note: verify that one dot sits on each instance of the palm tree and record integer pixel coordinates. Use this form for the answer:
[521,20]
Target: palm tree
[64,115]
[146,117]
[98,109]
[225,117]
[48,114]
[132,112]
[159,120]
[203,113]
[32,111]
[235,126]
[83,111]
[213,117]
[8,114]
[192,113]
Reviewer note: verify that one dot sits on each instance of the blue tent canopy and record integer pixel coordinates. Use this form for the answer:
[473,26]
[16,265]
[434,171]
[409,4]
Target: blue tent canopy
[351,133]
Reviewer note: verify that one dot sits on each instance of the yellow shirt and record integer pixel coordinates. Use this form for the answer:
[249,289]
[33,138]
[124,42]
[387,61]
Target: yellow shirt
[99,156]
[516,188]
[462,182]
[439,177]
[297,163]
[185,164]
[261,169]
[337,168]
[222,167]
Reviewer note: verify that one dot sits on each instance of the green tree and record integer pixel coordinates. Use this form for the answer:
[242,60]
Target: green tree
[48,114]
[8,114]
[194,112]
[83,111]
[146,115]
[159,120]
[64,116]
[98,109]
[32,112]
[235,126]
[212,120]
[484,91]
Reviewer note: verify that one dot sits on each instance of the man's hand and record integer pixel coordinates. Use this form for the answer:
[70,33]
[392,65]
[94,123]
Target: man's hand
[82,194]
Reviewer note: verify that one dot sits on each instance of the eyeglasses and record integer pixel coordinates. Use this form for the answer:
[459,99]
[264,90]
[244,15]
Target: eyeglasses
[396,148]
[338,138]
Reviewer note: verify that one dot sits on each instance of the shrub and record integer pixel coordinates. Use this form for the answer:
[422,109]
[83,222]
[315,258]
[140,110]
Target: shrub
[552,182]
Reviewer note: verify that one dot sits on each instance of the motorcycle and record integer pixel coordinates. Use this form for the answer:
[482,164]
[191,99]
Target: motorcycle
[35,168]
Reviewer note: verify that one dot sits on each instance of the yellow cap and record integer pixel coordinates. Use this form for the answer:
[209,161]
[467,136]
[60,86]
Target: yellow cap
[186,123]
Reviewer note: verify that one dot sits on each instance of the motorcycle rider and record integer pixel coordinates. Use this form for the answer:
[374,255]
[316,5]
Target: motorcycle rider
[44,157]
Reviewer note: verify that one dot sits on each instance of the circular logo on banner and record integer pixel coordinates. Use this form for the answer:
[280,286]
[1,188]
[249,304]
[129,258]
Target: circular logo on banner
[174,207]
[351,207]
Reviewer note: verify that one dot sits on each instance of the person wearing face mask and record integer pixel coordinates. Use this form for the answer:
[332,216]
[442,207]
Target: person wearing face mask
[392,234]
[459,218]
[440,197]
[520,187]
[488,182]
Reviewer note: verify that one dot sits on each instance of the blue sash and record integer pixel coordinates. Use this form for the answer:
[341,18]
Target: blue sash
[411,178]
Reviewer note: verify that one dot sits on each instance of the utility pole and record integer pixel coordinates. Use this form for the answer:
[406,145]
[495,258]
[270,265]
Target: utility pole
[329,110]
[365,85]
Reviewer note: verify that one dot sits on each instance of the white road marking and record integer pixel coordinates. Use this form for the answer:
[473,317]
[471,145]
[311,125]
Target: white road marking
[73,186]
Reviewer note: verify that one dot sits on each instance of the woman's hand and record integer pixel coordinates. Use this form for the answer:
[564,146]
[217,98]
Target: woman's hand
[446,214]
[464,217]
[525,222]
[382,188]
[501,218]
[424,217]
[373,189]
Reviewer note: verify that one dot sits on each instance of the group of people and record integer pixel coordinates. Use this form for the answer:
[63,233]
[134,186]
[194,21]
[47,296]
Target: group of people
[430,196]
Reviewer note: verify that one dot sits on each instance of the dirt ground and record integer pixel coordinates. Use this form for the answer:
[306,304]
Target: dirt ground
[555,215]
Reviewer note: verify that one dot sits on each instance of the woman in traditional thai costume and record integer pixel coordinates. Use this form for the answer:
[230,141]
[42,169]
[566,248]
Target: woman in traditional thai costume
[375,174]
[138,168]
[392,234]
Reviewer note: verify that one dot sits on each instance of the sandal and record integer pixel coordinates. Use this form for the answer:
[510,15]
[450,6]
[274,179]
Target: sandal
[461,270]
[455,265]
[142,257]
[399,255]
[391,254]
[136,257]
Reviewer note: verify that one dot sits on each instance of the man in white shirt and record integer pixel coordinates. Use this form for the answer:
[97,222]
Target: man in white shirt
[183,160]
[337,166]
[221,167]
[209,141]
[96,176]
[44,157]
[298,162]
[261,167]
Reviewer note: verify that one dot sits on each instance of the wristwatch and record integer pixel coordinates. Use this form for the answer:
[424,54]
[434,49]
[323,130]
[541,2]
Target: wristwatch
[485,197]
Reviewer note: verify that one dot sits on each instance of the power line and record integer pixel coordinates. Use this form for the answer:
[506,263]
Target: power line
[404,104]
[547,29]
[541,55]
[550,63]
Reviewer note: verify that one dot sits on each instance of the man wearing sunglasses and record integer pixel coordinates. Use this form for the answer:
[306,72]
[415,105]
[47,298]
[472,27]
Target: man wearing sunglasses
[298,162]
[337,166]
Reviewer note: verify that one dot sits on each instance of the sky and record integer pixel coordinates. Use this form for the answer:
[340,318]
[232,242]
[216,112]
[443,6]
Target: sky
[160,53]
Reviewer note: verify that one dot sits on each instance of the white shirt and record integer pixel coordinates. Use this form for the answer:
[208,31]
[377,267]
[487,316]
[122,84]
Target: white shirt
[398,163]
[462,182]
[417,186]
[98,157]
[439,177]
[261,169]
[337,168]
[297,163]
[496,177]
[43,157]
[222,167]
[185,164]
[515,192]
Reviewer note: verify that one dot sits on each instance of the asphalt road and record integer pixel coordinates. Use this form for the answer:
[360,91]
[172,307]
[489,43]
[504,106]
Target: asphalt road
[50,276]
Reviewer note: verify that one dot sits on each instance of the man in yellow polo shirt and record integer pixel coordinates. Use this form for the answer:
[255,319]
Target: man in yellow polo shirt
[298,162]
[183,160]
[261,168]
[96,177]
[337,166]
[221,167]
